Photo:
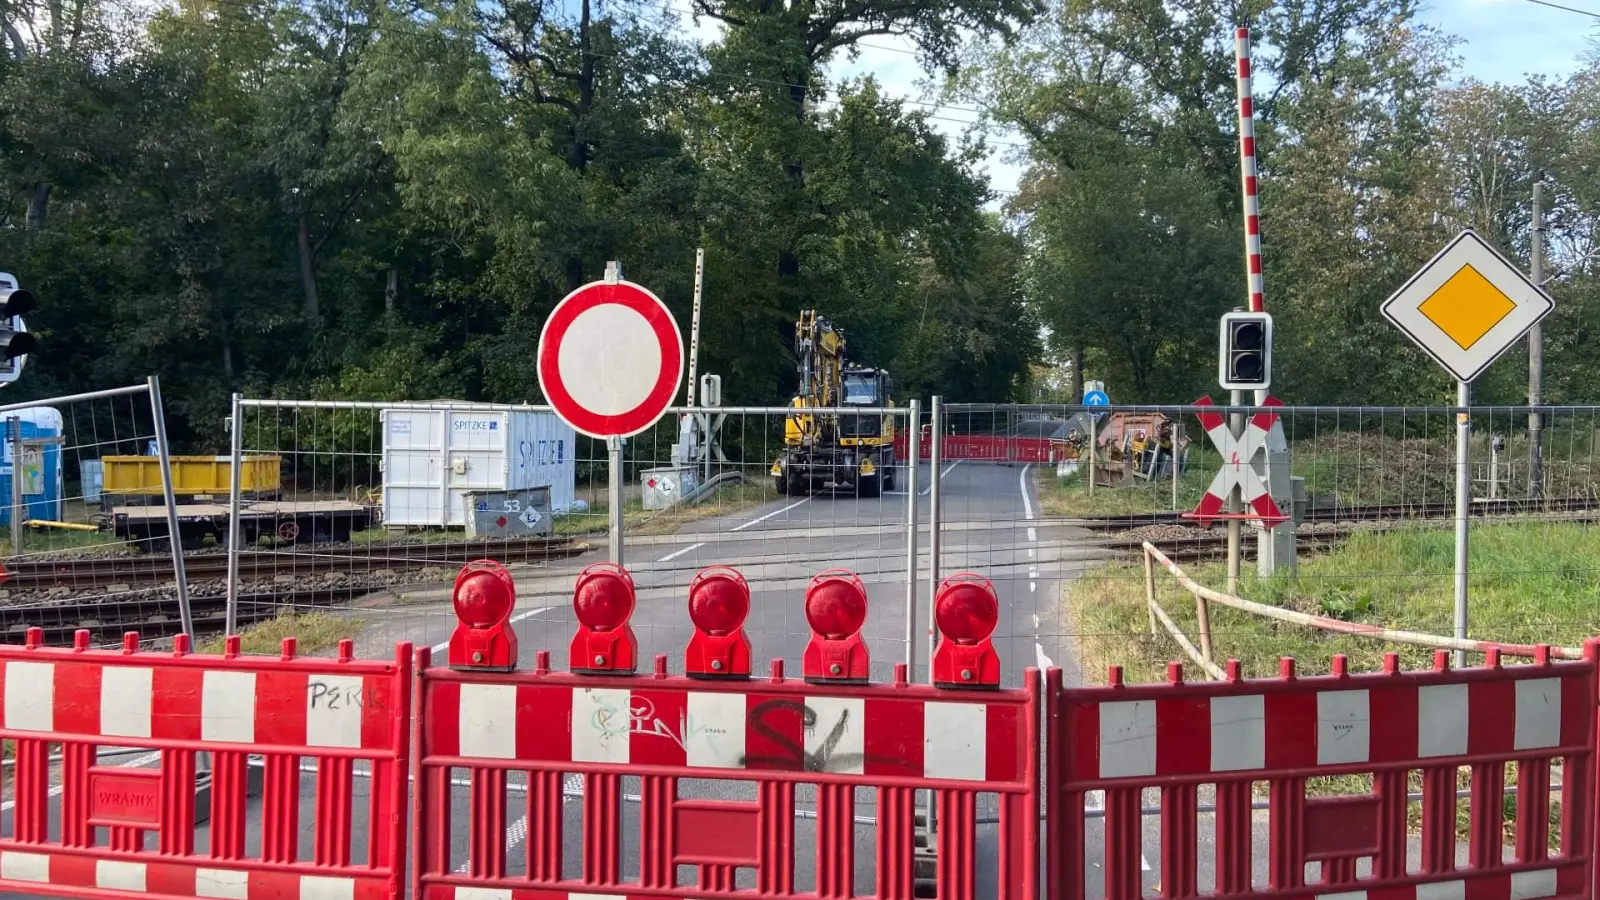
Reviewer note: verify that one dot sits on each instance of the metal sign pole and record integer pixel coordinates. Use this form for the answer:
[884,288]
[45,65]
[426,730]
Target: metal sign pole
[694,322]
[1235,526]
[1463,502]
[615,446]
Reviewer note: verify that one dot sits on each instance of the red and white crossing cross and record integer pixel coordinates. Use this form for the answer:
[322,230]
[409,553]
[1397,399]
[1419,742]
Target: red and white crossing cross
[1237,455]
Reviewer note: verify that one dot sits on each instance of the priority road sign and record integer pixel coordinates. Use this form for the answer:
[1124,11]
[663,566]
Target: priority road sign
[1467,306]
[610,359]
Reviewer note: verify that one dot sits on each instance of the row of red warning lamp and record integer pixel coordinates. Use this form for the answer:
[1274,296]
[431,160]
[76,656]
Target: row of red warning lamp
[966,610]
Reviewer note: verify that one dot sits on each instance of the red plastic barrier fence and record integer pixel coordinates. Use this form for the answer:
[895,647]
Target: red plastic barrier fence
[1178,738]
[773,746]
[982,448]
[178,705]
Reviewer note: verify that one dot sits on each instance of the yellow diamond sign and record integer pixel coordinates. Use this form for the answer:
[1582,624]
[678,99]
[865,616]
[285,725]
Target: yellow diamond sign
[1467,306]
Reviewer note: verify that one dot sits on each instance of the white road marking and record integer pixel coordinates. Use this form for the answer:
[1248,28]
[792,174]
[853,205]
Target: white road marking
[1033,586]
[1022,482]
[947,470]
[769,515]
[525,614]
[677,553]
[1038,652]
[1033,533]
[1035,621]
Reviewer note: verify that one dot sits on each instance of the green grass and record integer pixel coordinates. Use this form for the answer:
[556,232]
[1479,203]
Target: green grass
[1530,582]
[636,519]
[313,632]
[1069,496]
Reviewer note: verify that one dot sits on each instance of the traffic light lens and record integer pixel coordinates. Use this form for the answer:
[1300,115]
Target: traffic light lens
[16,302]
[1247,367]
[17,344]
[1248,336]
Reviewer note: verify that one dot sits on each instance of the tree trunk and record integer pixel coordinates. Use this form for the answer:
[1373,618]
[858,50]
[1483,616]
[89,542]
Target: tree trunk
[1075,383]
[308,273]
[38,203]
[391,290]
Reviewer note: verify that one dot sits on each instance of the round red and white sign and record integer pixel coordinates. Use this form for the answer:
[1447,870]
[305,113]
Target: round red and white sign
[610,359]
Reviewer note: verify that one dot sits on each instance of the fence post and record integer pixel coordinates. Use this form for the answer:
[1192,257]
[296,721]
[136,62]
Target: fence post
[913,454]
[14,439]
[174,541]
[1202,614]
[236,468]
[1093,427]
[1150,590]
[935,459]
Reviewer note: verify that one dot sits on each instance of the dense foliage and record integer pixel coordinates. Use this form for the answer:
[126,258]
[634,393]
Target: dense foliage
[1374,150]
[383,199]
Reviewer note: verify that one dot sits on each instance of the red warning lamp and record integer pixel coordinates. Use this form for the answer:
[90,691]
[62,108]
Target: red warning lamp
[966,611]
[603,600]
[836,607]
[719,602]
[483,596]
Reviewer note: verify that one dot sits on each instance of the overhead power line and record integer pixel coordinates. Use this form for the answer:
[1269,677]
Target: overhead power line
[1570,9]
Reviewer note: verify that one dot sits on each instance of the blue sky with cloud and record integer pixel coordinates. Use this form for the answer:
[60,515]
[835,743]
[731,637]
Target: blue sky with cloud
[1500,40]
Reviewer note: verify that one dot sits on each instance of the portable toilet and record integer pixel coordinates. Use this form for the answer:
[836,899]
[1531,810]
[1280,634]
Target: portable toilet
[41,465]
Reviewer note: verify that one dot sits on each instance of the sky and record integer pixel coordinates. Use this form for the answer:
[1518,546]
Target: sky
[1501,40]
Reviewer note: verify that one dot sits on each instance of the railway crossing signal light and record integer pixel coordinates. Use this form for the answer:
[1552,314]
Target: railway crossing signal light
[1245,357]
[15,341]
[483,597]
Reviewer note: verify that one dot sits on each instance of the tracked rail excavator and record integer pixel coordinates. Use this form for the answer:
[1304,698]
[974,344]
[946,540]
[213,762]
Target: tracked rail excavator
[846,451]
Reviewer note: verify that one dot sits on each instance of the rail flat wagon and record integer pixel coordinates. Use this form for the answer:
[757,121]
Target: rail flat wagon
[289,522]
[129,480]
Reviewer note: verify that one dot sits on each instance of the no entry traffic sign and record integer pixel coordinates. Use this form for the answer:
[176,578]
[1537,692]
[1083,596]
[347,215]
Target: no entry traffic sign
[610,359]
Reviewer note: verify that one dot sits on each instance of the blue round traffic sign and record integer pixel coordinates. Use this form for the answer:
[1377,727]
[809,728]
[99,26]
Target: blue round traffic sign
[1096,398]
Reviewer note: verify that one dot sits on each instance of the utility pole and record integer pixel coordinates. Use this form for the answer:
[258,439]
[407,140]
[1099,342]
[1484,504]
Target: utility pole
[1536,353]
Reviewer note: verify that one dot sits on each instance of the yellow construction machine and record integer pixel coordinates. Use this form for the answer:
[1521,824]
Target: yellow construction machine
[852,451]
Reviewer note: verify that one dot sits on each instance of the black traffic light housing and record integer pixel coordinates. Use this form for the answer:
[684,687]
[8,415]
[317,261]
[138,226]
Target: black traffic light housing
[15,341]
[1244,360]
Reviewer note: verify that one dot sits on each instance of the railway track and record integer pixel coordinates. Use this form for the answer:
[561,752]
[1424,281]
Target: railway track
[1364,513]
[107,620]
[128,572]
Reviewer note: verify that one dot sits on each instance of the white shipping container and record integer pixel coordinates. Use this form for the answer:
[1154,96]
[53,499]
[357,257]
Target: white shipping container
[433,457]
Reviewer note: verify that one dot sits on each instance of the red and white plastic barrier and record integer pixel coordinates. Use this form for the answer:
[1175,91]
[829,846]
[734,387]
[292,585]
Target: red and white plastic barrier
[1121,740]
[829,729]
[177,705]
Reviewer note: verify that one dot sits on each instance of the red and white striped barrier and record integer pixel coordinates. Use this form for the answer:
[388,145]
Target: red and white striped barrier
[1121,740]
[177,706]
